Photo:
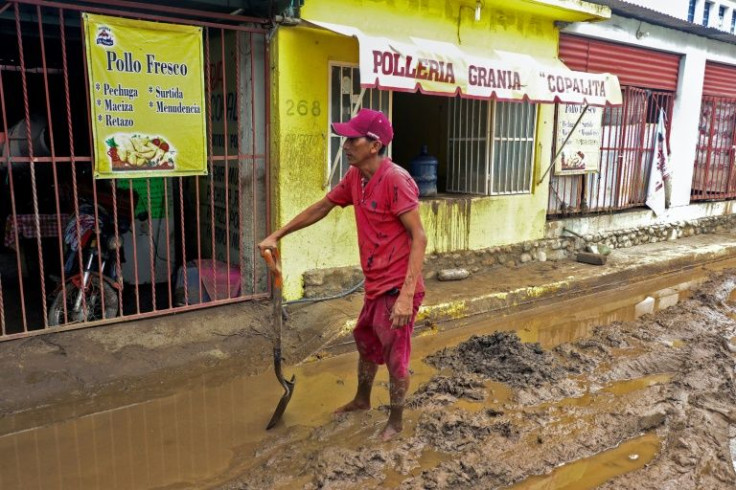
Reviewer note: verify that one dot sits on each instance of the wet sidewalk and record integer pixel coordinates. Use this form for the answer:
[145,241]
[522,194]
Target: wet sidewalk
[319,330]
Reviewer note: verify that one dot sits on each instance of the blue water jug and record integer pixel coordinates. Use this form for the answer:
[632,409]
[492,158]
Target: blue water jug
[423,168]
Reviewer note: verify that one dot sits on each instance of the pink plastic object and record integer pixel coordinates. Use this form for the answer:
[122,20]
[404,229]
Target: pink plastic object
[215,280]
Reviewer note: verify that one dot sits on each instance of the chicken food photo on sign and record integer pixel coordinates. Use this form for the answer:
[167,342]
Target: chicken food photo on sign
[139,152]
[575,161]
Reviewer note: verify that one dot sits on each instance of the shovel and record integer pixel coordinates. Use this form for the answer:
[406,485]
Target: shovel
[274,265]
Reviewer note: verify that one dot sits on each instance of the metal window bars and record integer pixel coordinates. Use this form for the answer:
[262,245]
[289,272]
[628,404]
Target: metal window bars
[714,173]
[194,242]
[490,146]
[627,139]
[346,99]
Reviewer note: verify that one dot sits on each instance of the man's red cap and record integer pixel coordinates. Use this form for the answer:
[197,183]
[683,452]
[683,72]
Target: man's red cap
[368,123]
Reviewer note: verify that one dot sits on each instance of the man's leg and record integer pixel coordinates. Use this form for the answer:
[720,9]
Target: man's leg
[398,389]
[397,345]
[366,374]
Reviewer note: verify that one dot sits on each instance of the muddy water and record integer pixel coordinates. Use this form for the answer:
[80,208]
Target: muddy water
[212,431]
[188,440]
[591,472]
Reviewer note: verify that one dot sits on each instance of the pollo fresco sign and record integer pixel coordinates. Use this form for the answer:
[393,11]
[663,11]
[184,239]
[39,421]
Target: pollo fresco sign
[147,97]
[579,146]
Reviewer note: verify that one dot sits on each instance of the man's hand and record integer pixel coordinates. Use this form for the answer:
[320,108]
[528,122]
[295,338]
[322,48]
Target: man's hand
[269,243]
[402,311]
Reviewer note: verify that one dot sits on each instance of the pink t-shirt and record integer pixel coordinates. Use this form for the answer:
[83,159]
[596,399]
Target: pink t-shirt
[383,241]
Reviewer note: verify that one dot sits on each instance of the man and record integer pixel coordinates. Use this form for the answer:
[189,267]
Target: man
[391,241]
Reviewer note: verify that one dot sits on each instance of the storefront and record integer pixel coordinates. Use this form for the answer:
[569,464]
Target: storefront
[475,83]
[165,242]
[714,175]
[649,81]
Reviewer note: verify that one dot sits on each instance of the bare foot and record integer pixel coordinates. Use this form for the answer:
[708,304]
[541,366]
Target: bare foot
[390,431]
[353,406]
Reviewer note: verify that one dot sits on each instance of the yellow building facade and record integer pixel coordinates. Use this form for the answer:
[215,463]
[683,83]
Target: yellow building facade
[484,199]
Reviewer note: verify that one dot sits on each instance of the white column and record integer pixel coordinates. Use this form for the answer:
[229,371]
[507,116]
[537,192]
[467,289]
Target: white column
[685,120]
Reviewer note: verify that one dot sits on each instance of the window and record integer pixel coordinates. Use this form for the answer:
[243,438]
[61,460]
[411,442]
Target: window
[691,11]
[346,98]
[706,12]
[722,16]
[490,146]
[482,147]
[733,21]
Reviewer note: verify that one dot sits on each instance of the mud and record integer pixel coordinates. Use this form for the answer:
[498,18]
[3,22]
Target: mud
[649,403]
[501,357]
[445,390]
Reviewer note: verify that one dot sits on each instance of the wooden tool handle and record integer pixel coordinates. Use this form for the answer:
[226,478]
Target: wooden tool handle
[273,261]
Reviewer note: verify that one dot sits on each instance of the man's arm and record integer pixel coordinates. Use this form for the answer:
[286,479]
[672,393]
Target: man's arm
[404,305]
[308,217]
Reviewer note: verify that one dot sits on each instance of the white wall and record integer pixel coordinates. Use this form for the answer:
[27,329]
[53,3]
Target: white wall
[637,218]
[714,19]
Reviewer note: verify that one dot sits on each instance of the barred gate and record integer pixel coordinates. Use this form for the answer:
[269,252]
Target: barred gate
[187,242]
[714,175]
[628,136]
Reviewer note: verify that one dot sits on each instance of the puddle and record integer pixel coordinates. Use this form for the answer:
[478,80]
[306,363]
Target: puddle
[617,389]
[184,440]
[178,440]
[630,385]
[591,472]
[571,320]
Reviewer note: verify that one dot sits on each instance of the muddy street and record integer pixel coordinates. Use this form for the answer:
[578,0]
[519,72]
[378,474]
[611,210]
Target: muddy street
[582,393]
[645,403]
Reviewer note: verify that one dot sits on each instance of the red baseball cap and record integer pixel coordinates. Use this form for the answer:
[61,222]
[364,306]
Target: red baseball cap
[368,123]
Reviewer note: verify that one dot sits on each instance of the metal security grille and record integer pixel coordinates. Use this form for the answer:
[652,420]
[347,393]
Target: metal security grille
[627,141]
[512,152]
[490,146]
[188,242]
[346,99]
[714,175]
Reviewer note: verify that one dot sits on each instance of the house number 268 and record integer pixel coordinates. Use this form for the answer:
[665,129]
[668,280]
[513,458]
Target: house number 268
[302,108]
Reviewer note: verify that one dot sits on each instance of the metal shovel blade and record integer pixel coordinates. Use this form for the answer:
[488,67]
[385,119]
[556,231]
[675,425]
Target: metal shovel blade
[288,386]
[281,407]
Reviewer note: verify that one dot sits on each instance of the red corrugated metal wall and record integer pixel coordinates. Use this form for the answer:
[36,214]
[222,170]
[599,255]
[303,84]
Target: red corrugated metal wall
[720,80]
[634,66]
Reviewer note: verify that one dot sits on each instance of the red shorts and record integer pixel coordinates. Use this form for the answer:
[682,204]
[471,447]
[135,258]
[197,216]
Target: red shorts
[377,342]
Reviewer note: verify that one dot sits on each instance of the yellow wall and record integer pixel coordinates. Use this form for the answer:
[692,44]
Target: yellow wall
[301,75]
[300,144]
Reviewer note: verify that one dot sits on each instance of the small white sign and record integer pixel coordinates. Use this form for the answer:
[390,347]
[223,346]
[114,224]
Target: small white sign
[582,152]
